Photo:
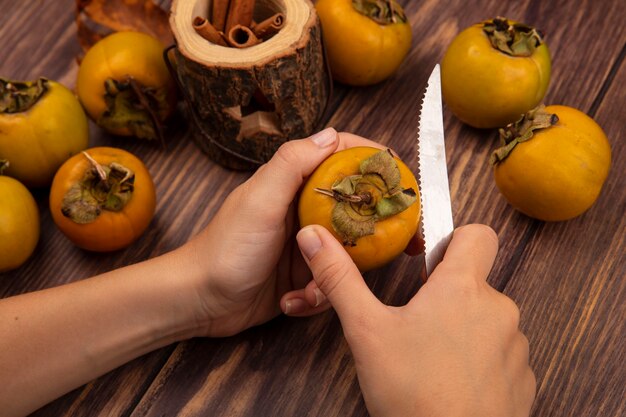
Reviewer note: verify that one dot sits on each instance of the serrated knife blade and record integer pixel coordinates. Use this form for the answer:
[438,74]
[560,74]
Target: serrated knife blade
[436,223]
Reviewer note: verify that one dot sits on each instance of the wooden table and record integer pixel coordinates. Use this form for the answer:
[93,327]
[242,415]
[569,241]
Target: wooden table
[568,278]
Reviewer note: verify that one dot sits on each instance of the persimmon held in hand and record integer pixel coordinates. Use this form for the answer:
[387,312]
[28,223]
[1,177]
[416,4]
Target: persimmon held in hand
[102,199]
[368,200]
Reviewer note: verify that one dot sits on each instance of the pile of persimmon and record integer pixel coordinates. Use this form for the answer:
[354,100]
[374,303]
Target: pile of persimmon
[553,161]
[102,199]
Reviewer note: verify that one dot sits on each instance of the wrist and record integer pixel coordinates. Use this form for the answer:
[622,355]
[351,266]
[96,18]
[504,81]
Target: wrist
[224,302]
[184,313]
[155,301]
[196,257]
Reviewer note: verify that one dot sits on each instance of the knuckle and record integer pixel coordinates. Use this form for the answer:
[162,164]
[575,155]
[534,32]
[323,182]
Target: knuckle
[510,311]
[286,154]
[329,275]
[243,196]
[514,312]
[468,285]
[260,170]
[479,233]
[458,279]
[524,346]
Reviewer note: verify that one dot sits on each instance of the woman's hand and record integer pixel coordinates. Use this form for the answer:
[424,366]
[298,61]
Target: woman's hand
[228,278]
[454,350]
[246,258]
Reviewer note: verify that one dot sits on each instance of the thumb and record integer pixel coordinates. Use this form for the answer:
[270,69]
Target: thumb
[335,273]
[287,169]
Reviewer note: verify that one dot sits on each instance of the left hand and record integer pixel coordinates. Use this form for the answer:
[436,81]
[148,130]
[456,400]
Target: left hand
[247,258]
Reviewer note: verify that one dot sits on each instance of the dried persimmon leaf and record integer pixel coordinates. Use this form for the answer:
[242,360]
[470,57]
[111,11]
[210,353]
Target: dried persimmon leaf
[98,18]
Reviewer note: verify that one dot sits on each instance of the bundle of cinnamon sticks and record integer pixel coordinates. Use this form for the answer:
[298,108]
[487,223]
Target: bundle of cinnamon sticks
[231,24]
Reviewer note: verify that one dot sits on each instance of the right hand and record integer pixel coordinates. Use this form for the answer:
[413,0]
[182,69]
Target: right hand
[454,350]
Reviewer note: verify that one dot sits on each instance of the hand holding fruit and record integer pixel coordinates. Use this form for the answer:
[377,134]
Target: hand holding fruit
[232,276]
[247,255]
[368,199]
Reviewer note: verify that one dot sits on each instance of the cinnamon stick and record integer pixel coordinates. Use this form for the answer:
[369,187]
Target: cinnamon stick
[219,11]
[269,27]
[205,29]
[241,37]
[239,13]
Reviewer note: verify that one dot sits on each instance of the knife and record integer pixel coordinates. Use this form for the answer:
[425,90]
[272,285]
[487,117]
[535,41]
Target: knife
[436,222]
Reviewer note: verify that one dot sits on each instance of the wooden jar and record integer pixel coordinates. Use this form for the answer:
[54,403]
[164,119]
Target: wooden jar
[244,103]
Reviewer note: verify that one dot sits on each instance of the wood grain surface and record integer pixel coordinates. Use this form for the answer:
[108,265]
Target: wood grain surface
[568,278]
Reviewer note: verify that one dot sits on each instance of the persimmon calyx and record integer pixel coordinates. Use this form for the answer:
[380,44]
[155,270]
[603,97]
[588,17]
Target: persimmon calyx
[4,164]
[103,187]
[130,105]
[373,195]
[515,39]
[383,12]
[522,130]
[20,96]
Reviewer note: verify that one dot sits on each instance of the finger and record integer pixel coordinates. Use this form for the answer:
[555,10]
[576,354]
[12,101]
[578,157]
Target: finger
[278,181]
[521,349]
[299,303]
[306,298]
[335,273]
[470,255]
[350,140]
[314,295]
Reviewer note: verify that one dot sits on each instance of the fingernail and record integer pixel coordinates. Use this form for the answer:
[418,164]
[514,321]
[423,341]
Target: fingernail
[319,297]
[325,137]
[309,242]
[295,306]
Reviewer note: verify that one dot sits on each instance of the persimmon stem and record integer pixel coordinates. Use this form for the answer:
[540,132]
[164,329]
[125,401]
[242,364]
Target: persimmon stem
[133,106]
[522,130]
[515,39]
[101,172]
[20,96]
[364,198]
[384,12]
[103,187]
